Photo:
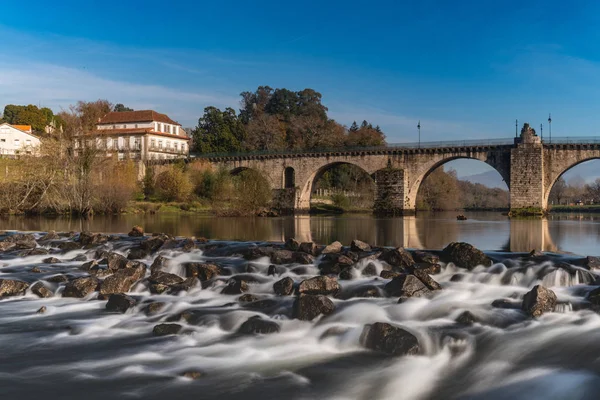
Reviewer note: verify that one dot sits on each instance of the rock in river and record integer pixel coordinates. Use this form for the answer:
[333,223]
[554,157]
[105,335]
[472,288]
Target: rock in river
[397,257]
[319,285]
[359,246]
[538,301]
[391,340]
[166,329]
[307,306]
[258,325]
[80,287]
[464,255]
[406,285]
[284,287]
[120,302]
[11,287]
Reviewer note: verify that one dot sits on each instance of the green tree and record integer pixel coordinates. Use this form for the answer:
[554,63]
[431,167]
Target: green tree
[254,103]
[219,132]
[119,107]
[365,136]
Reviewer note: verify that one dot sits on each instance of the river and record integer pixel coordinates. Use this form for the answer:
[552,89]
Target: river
[575,233]
[248,324]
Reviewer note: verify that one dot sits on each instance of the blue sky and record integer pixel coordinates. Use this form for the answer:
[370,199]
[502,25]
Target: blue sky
[465,69]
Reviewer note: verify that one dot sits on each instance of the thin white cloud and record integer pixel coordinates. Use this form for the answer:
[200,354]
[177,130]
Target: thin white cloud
[57,87]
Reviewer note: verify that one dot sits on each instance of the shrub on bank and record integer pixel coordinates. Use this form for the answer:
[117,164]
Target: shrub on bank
[173,184]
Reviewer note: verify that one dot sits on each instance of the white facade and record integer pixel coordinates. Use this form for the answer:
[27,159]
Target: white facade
[14,141]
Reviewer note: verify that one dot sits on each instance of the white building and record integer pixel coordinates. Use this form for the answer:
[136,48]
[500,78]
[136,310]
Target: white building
[17,139]
[142,134]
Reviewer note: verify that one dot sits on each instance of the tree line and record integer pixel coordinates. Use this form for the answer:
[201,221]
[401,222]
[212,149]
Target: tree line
[442,190]
[278,119]
[576,191]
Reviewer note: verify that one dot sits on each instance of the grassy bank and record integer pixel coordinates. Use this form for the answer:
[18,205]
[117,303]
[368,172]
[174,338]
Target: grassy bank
[570,209]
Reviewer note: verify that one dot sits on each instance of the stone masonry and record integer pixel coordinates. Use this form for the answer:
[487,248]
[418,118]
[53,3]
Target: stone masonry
[529,168]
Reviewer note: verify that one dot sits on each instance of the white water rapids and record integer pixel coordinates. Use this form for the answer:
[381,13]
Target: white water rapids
[76,349]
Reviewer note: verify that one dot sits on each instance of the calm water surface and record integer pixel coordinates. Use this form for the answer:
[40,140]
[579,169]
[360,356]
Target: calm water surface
[573,233]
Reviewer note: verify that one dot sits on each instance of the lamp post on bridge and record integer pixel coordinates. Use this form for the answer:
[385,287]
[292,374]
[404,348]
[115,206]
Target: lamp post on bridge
[516,127]
[419,128]
[550,126]
[542,132]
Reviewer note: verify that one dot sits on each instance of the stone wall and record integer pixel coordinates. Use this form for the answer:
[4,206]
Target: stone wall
[390,195]
[527,176]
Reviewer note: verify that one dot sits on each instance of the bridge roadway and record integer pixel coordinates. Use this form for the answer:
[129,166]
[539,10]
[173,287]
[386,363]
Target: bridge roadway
[529,167]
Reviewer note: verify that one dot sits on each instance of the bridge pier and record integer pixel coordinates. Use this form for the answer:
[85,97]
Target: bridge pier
[391,192]
[527,175]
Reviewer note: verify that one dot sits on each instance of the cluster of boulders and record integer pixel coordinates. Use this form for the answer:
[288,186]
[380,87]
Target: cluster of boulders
[109,275]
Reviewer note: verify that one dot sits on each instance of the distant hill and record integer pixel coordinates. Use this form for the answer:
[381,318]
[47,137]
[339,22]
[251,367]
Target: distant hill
[491,179]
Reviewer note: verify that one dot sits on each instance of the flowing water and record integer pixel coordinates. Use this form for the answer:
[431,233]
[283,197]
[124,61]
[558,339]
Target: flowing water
[76,349]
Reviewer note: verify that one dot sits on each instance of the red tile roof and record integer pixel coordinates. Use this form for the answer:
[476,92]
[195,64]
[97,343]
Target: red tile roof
[136,116]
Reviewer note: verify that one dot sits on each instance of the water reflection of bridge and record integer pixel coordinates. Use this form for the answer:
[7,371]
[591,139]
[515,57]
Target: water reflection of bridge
[415,232]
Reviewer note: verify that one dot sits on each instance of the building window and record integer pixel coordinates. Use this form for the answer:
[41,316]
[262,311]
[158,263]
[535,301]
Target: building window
[152,143]
[28,142]
[160,144]
[176,146]
[177,130]
[114,127]
[136,126]
[17,142]
[137,144]
[3,140]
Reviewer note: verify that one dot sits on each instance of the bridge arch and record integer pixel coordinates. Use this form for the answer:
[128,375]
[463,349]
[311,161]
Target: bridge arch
[303,195]
[559,167]
[421,172]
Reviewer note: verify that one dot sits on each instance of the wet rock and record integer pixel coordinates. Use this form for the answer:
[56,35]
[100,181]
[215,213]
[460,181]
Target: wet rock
[235,286]
[303,258]
[457,277]
[165,278]
[370,270]
[247,298]
[188,244]
[154,307]
[308,248]
[154,243]
[347,273]
[256,325]
[11,287]
[115,261]
[160,263]
[319,285]
[359,246]
[466,318]
[428,268]
[333,264]
[51,235]
[398,257]
[137,253]
[51,260]
[390,340]
[202,271]
[41,291]
[166,329]
[79,257]
[425,257]
[120,302]
[284,287]
[426,279]
[272,270]
[253,253]
[5,246]
[505,304]
[594,296]
[193,374]
[307,306]
[464,255]
[57,279]
[80,287]
[282,257]
[89,239]
[334,247]
[185,286]
[122,280]
[406,286]
[353,256]
[36,270]
[136,231]
[538,301]
[41,310]
[589,262]
[292,244]
[38,251]
[68,246]
[385,274]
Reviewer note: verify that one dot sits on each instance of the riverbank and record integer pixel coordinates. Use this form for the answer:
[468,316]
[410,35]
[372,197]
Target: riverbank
[164,316]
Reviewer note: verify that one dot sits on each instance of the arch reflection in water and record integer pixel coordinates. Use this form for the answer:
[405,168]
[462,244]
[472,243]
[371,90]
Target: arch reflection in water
[579,234]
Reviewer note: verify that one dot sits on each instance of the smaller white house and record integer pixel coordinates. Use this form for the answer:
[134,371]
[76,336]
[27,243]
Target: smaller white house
[17,139]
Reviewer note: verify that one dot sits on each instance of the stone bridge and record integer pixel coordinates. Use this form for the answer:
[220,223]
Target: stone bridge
[529,167]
